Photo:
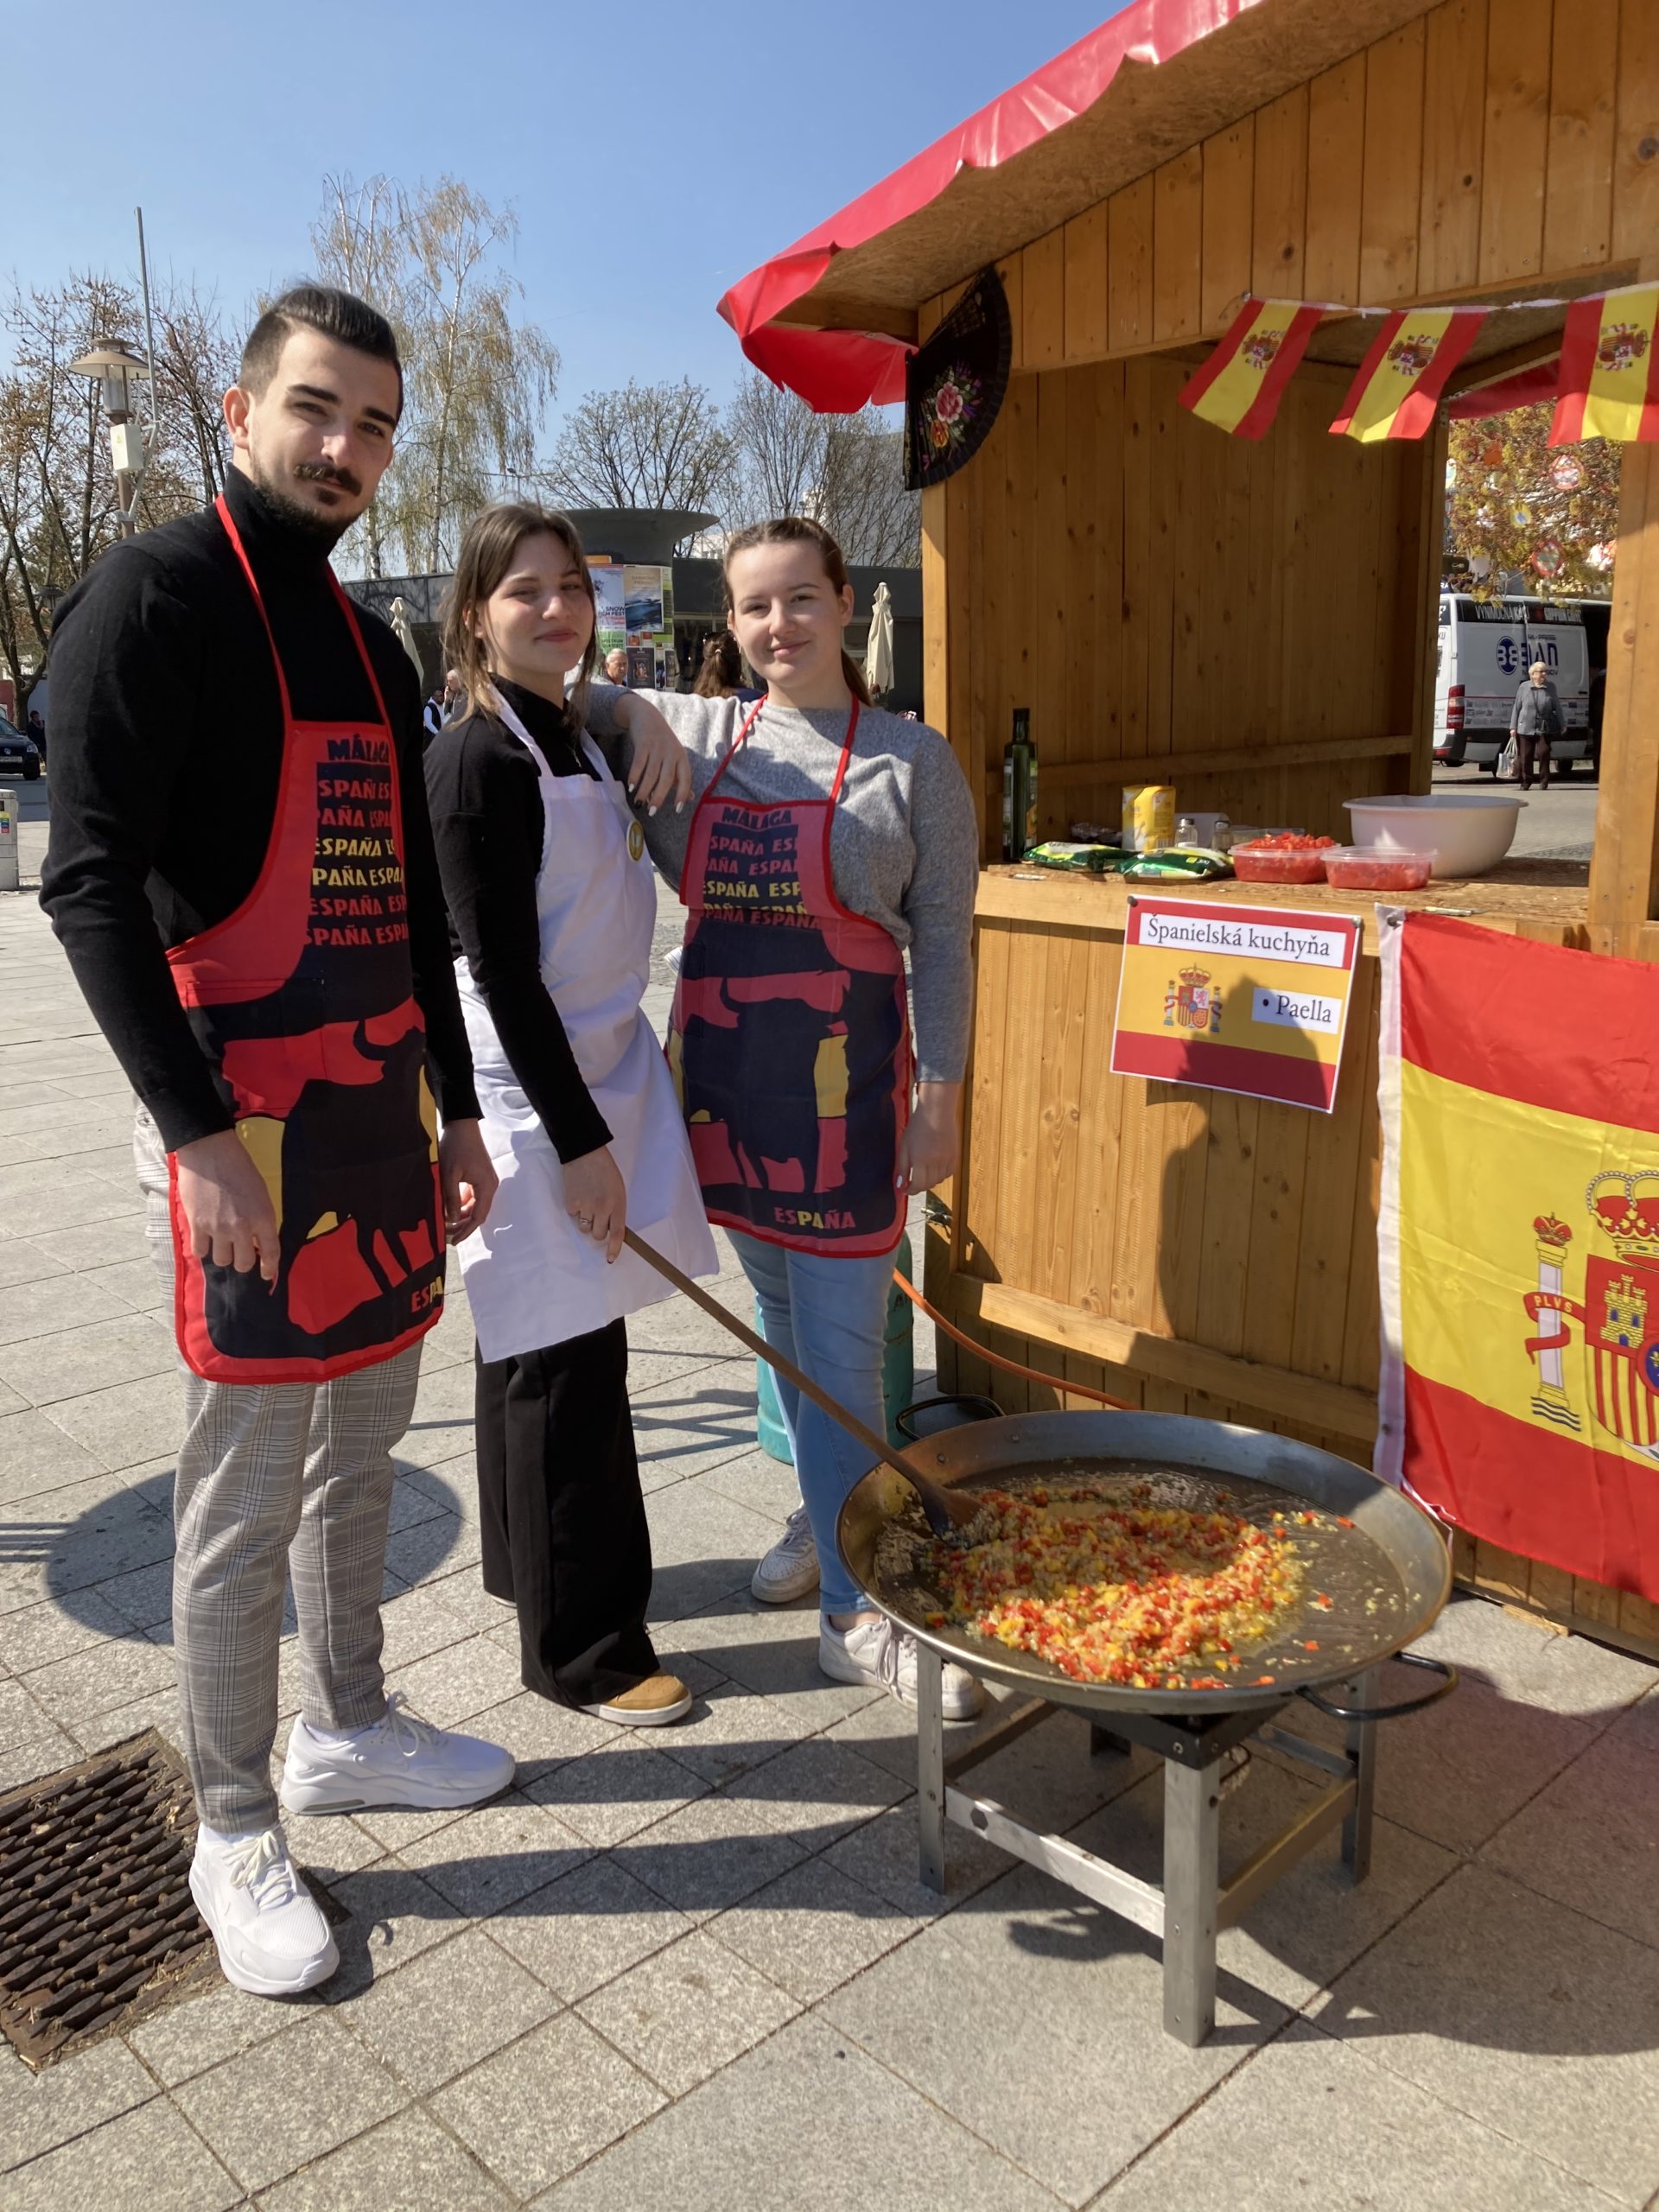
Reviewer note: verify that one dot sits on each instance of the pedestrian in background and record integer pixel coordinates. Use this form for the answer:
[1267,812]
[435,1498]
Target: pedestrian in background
[1534,718]
[721,676]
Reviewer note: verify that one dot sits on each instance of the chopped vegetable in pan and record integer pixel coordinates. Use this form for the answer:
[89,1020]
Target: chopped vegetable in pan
[1118,1592]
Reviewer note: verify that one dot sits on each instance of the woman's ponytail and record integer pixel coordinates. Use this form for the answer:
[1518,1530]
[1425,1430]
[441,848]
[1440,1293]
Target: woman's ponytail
[855,679]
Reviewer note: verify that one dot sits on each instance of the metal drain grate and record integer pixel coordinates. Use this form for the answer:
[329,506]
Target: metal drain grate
[97,1922]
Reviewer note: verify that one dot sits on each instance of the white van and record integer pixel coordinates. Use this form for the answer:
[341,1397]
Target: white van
[1486,646]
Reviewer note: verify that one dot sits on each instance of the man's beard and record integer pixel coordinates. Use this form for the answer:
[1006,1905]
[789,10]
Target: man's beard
[324,530]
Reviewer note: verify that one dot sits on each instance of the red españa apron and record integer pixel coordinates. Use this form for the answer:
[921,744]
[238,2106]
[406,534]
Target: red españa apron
[790,1036]
[302,1000]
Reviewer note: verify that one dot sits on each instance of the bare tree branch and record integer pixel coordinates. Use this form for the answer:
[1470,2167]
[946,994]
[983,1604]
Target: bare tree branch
[659,445]
[477,380]
[57,485]
[846,471]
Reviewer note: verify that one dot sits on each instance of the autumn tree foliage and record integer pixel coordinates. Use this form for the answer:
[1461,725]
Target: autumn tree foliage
[1517,505]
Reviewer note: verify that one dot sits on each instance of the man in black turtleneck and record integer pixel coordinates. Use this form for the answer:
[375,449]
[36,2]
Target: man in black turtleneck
[241,872]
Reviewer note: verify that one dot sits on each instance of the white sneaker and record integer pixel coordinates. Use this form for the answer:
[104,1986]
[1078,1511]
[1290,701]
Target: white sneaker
[402,1761]
[789,1569]
[272,1935]
[878,1653]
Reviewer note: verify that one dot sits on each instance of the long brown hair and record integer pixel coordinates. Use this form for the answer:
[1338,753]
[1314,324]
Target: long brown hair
[487,546]
[722,667]
[799,530]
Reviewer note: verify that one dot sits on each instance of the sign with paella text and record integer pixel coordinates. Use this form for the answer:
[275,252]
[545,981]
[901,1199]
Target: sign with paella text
[1519,1244]
[1248,999]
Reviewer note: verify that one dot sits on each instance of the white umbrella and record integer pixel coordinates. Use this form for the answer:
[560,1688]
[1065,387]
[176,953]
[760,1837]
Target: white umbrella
[404,630]
[878,649]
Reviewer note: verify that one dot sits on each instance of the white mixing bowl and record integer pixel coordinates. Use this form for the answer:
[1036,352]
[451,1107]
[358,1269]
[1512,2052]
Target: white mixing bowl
[1468,832]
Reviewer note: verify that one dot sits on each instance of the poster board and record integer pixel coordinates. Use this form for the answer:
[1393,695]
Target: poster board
[1252,1000]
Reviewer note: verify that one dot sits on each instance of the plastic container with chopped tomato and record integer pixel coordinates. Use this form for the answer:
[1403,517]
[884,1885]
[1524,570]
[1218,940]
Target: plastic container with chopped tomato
[1370,867]
[1290,857]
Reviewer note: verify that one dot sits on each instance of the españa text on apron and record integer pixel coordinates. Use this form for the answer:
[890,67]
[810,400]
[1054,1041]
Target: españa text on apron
[302,1000]
[790,1036]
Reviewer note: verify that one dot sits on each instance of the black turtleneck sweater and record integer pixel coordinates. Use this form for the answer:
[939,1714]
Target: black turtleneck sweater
[484,791]
[167,746]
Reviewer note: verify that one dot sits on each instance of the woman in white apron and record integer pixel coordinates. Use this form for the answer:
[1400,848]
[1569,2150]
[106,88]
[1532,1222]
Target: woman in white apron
[552,904]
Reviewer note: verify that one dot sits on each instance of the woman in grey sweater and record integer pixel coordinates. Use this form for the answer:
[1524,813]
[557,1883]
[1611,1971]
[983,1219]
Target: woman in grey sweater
[827,840]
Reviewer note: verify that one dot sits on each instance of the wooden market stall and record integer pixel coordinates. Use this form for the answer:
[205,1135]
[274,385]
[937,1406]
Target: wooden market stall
[1252,622]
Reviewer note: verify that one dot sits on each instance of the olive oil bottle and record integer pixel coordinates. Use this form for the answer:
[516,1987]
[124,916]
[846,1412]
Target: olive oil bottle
[1020,788]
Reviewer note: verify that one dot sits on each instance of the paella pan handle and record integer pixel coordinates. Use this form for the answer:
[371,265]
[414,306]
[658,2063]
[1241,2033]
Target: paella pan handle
[1392,1712]
[983,1409]
[945,1510]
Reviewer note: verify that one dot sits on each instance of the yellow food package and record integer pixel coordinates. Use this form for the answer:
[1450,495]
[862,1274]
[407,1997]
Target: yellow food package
[1148,817]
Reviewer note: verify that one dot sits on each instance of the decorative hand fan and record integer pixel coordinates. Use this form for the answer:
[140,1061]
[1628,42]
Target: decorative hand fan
[954,384]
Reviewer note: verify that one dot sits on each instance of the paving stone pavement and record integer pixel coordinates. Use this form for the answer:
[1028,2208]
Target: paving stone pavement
[697,1968]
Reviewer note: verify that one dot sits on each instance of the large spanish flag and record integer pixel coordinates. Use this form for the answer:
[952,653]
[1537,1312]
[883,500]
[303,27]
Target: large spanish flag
[1610,369]
[1401,379]
[1520,1243]
[1239,387]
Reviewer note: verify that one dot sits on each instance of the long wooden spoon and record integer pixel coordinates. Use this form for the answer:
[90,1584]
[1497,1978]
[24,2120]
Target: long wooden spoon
[945,1510]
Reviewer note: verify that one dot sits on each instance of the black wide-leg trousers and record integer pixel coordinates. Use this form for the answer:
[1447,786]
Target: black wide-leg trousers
[563,1521]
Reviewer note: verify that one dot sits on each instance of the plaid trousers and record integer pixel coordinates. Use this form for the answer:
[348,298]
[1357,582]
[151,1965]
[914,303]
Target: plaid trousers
[274,1480]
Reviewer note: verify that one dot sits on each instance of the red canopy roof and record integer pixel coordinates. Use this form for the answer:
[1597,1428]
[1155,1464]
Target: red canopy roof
[837,371]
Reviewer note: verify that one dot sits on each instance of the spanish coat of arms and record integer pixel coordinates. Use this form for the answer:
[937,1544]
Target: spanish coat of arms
[1621,346]
[1411,353]
[1192,1003]
[1617,1315]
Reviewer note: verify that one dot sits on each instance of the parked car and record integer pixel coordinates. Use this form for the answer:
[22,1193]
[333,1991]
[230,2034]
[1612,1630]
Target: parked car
[19,754]
[1486,647]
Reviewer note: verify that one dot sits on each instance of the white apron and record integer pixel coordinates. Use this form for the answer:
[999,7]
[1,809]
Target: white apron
[532,1277]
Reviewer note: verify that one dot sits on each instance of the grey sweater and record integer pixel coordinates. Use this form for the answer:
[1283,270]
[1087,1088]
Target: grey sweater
[1537,709]
[904,847]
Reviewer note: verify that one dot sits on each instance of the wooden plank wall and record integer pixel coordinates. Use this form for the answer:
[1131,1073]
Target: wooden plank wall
[1491,142]
[1221,1245]
[1156,593]
[1220,1252]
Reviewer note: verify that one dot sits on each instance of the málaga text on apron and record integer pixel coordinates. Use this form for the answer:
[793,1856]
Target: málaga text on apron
[304,1001]
[532,1277]
[790,1036]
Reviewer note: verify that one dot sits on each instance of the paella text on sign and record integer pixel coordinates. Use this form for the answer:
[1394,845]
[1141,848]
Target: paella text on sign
[1222,996]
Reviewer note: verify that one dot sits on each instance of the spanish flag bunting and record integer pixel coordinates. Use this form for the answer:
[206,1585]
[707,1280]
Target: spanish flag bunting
[1401,379]
[1519,1244]
[1610,369]
[1239,387]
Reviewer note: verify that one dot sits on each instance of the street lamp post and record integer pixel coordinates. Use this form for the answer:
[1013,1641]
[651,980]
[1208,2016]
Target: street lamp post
[116,369]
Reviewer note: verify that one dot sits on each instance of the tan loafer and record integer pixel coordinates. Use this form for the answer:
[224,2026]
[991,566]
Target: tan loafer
[650,1704]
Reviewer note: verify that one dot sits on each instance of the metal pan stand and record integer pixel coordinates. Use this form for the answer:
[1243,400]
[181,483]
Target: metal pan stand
[1188,1912]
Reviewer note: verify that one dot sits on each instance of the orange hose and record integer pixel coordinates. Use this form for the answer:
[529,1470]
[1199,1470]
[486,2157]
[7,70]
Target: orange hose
[1008,1366]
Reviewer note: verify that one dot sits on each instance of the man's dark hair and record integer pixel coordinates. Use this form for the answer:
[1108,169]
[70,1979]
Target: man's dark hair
[339,315]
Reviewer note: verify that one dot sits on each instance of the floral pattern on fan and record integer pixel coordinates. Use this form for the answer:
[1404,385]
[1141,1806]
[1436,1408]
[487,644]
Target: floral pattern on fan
[952,407]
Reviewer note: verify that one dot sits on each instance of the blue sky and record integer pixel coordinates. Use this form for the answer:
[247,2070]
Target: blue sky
[653,152]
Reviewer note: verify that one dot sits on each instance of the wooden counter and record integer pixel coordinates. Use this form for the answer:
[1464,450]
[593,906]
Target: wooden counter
[1518,895]
[1184,1249]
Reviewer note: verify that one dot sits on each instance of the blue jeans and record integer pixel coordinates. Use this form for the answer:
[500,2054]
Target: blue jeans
[829,1316]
